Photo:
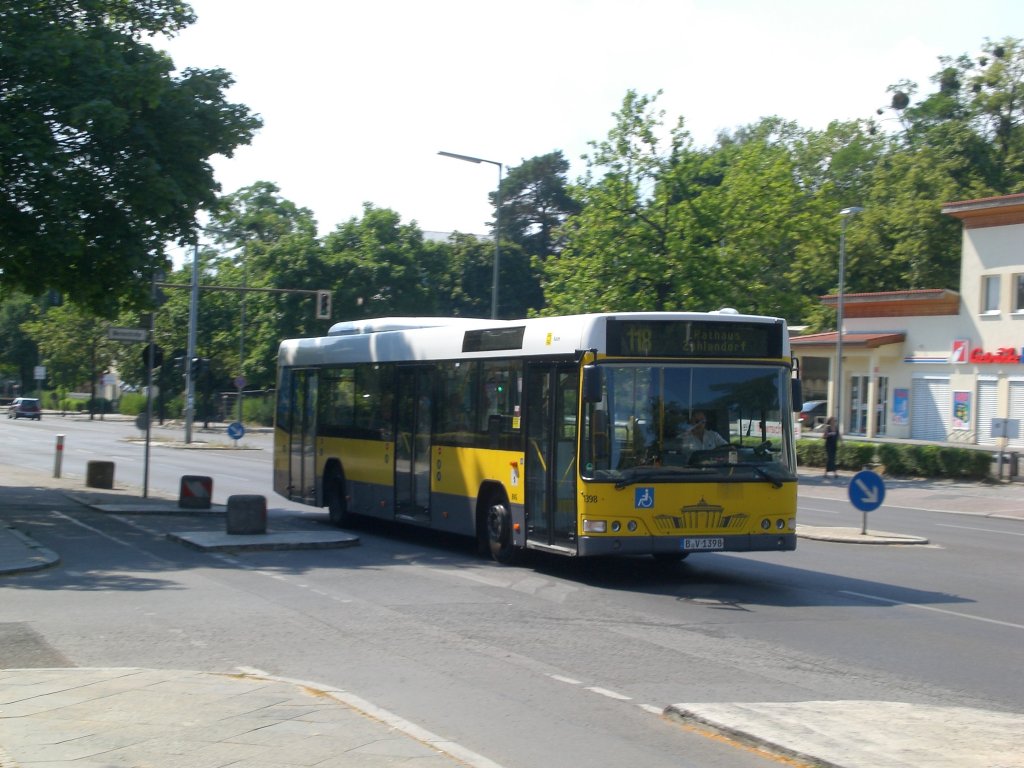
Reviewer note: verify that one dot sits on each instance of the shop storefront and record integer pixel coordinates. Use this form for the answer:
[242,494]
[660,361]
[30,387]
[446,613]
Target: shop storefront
[936,364]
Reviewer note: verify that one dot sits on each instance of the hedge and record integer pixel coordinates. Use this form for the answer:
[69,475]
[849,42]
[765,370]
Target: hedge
[901,460]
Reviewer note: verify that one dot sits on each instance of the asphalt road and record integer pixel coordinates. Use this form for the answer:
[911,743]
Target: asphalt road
[552,661]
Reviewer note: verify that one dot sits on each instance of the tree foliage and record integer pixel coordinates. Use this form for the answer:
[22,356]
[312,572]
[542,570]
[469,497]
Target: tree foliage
[104,153]
[535,202]
[73,346]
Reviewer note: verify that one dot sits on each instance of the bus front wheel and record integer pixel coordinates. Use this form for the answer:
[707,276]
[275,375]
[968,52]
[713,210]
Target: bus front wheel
[499,533]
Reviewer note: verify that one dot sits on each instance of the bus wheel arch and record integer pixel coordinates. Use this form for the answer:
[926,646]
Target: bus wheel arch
[335,498]
[494,525]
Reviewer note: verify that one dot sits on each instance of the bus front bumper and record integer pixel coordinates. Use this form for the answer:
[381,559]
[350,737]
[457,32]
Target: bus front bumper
[590,546]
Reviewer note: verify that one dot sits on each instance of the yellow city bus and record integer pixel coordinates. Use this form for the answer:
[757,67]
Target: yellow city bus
[573,435]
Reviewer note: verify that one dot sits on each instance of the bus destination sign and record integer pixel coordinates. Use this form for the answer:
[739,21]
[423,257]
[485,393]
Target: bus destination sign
[694,338]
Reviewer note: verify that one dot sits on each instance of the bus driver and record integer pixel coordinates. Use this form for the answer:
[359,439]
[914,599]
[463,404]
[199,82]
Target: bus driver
[698,437]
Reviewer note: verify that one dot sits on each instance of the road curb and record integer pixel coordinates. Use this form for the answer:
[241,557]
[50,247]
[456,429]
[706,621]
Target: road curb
[855,536]
[37,557]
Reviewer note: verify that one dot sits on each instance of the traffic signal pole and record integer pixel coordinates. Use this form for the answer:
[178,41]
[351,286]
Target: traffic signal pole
[193,314]
[322,311]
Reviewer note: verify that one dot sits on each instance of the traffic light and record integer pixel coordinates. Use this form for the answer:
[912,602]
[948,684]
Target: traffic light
[199,367]
[323,305]
[157,358]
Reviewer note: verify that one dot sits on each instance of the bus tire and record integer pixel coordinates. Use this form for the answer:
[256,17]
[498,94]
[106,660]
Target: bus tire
[337,504]
[499,533]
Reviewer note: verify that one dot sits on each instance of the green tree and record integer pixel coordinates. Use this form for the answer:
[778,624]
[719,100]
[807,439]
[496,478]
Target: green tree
[104,154]
[619,250]
[74,347]
[18,353]
[382,267]
[535,202]
[464,288]
[272,244]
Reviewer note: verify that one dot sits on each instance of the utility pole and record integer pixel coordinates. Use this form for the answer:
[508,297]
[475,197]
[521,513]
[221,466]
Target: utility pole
[193,314]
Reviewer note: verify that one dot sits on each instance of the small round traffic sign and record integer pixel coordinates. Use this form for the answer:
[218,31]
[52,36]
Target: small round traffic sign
[867,490]
[236,430]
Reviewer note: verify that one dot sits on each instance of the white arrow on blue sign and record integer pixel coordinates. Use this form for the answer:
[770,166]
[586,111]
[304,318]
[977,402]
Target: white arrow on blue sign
[236,430]
[867,490]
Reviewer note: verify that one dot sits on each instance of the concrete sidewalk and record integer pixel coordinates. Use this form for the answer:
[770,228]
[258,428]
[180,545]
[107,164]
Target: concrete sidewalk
[93,718]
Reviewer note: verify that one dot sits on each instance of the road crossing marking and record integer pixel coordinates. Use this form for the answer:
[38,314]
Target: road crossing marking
[935,610]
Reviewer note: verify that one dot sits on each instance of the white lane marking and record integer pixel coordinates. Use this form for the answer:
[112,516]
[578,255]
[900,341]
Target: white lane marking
[805,508]
[659,711]
[479,578]
[569,680]
[959,615]
[983,530]
[111,537]
[609,694]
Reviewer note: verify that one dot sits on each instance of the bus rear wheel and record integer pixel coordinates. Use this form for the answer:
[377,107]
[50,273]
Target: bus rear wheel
[499,533]
[337,504]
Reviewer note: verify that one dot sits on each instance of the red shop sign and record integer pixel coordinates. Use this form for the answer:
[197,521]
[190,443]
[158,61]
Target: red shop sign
[1004,355]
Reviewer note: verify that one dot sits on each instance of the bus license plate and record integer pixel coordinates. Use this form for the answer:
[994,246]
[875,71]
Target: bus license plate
[705,543]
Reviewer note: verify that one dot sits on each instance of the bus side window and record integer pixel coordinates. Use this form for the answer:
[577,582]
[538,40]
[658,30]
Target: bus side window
[499,403]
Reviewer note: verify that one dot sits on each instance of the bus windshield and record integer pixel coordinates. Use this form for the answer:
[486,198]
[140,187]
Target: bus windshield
[689,422]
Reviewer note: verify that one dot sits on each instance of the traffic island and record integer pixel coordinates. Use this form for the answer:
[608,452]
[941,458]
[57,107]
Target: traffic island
[855,535]
[212,541]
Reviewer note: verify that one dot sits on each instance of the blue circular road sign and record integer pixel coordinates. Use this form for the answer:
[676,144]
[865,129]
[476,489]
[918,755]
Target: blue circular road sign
[867,490]
[236,430]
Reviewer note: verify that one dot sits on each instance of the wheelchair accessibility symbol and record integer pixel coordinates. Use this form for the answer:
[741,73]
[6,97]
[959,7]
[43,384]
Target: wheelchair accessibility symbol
[643,498]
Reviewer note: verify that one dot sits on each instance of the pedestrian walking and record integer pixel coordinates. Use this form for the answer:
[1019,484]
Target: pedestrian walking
[831,445]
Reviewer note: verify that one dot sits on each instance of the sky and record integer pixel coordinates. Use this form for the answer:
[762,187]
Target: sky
[358,98]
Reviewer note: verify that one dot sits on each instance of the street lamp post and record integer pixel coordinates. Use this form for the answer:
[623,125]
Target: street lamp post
[497,228]
[845,215]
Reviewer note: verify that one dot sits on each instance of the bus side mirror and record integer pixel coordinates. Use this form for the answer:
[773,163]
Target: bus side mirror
[592,384]
[798,395]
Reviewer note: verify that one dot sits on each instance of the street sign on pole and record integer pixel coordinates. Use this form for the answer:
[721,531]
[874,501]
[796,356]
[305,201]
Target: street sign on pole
[867,492]
[126,334]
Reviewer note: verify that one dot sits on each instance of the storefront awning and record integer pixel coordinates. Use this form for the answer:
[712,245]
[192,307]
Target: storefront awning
[865,339]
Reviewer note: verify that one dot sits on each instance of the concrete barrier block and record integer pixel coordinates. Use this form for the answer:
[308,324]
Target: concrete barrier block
[99,474]
[247,514]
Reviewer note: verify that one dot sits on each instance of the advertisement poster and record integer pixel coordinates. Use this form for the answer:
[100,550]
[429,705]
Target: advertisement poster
[961,410]
[900,407]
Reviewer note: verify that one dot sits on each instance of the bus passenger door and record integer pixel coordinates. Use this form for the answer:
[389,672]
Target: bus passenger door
[412,444]
[302,450]
[552,398]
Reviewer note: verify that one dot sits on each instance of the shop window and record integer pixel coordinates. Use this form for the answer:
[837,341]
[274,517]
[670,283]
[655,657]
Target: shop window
[990,294]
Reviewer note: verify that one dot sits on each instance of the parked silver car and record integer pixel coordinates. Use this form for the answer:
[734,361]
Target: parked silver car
[25,408]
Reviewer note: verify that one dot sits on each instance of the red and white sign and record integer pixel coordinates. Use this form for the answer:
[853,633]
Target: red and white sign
[195,492]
